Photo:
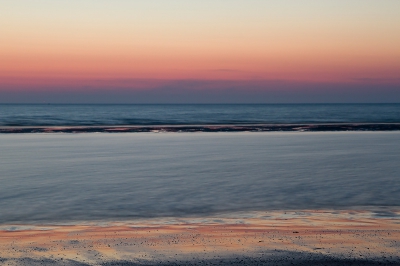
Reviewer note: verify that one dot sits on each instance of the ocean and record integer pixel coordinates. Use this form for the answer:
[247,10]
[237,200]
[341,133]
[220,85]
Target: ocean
[195,114]
[70,177]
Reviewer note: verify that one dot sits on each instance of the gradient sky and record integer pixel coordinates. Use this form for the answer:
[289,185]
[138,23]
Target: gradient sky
[180,51]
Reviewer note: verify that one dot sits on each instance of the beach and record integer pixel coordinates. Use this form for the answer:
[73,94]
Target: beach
[211,132]
[267,238]
[224,198]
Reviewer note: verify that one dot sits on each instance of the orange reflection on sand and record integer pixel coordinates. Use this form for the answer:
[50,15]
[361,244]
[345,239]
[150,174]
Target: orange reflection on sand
[311,232]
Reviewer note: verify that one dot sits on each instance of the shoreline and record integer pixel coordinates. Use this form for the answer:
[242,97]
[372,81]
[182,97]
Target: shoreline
[332,127]
[273,238]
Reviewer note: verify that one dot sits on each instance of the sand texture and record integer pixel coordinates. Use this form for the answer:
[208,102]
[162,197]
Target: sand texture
[273,238]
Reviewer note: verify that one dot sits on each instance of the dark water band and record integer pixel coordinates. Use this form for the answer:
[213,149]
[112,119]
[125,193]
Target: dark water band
[208,128]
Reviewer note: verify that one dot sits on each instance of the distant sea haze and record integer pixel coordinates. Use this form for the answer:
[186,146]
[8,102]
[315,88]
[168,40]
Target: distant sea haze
[22,115]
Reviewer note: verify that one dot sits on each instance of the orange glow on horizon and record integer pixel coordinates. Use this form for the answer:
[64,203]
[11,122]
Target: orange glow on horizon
[306,42]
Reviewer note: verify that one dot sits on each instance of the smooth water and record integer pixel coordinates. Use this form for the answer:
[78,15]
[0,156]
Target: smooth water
[91,177]
[180,114]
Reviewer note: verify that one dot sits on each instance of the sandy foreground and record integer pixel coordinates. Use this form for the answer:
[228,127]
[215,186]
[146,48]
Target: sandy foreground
[262,238]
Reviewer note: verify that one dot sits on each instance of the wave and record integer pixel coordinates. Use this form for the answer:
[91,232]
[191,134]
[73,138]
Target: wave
[207,128]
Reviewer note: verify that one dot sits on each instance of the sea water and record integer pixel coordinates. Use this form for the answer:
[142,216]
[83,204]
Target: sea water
[198,114]
[49,178]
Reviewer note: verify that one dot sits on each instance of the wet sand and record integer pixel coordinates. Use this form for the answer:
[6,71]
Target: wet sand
[262,238]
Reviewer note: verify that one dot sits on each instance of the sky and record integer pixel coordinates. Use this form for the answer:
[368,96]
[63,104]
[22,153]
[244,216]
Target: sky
[200,51]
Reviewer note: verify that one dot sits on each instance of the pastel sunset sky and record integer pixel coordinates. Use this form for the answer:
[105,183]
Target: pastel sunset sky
[208,51]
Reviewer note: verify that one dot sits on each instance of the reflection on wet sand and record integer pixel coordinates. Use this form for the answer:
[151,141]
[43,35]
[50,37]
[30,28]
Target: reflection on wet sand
[256,236]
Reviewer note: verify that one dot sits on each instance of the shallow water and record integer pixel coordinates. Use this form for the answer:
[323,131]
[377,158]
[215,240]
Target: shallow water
[89,177]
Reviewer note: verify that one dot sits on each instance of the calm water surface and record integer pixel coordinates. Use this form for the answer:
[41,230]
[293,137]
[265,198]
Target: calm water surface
[198,114]
[89,177]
